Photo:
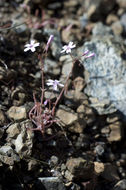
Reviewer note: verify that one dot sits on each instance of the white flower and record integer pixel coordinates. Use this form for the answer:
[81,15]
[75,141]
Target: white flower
[31,46]
[67,48]
[54,83]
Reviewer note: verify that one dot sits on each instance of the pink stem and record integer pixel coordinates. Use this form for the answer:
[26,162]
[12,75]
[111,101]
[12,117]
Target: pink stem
[58,98]
[42,73]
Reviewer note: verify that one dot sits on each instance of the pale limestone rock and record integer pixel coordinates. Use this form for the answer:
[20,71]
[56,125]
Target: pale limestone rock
[80,168]
[13,130]
[111,18]
[20,135]
[117,28]
[98,167]
[19,143]
[78,83]
[17,113]
[116,132]
[66,117]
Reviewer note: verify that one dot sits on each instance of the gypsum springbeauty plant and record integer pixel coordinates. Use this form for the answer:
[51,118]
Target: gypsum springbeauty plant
[37,23]
[32,23]
[42,113]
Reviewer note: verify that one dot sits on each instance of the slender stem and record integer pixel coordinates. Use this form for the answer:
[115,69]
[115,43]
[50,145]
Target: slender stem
[58,98]
[7,28]
[32,158]
[49,105]
[42,79]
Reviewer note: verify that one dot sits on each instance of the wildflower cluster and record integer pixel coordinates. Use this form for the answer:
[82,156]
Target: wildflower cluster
[43,112]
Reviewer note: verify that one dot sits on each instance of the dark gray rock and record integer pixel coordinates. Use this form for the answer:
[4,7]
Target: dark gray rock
[74,186]
[99,150]
[106,84]
[2,118]
[110,172]
[51,183]
[43,2]
[1,132]
[53,160]
[98,8]
[8,156]
[120,185]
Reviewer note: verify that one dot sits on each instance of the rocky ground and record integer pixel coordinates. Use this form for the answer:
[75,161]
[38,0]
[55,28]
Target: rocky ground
[86,149]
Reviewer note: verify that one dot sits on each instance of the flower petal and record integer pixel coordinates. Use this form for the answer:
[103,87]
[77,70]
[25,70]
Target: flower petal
[50,80]
[70,44]
[45,102]
[73,46]
[49,84]
[32,42]
[32,49]
[36,44]
[27,45]
[26,49]
[61,85]
[57,81]
[55,87]
[68,51]
[63,51]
